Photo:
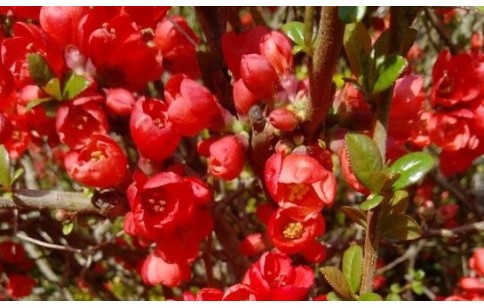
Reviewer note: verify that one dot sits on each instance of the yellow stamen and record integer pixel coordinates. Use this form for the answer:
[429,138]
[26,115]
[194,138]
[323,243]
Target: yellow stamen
[293,230]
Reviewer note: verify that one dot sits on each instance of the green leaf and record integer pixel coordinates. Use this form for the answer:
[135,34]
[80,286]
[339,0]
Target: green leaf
[17,175]
[36,102]
[393,297]
[39,69]
[412,168]
[53,89]
[297,48]
[355,214]
[4,167]
[357,43]
[370,297]
[382,44]
[74,86]
[408,39]
[399,201]
[364,157]
[388,71]
[400,227]
[67,228]
[371,202]
[331,296]
[380,181]
[351,14]
[337,281]
[352,266]
[295,31]
[417,287]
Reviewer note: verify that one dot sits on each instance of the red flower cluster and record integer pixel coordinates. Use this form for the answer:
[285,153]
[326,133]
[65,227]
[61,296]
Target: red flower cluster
[272,277]
[15,264]
[472,288]
[170,210]
[259,59]
[301,185]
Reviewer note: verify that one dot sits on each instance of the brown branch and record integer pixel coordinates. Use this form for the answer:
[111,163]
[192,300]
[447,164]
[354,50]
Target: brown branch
[439,27]
[26,238]
[322,65]
[102,203]
[476,227]
[213,21]
[457,192]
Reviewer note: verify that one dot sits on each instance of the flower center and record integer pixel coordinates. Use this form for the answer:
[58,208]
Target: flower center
[293,230]
[155,202]
[298,191]
[97,156]
[446,87]
[81,122]
[158,122]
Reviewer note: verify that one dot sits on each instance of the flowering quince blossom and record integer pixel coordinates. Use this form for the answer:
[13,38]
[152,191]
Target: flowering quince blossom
[299,183]
[101,163]
[153,133]
[225,156]
[471,288]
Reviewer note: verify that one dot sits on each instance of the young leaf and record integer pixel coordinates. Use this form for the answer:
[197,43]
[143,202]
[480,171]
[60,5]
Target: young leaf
[53,89]
[331,296]
[355,214]
[400,227]
[351,14]
[357,43]
[370,297]
[412,168]
[39,69]
[393,297]
[417,287]
[380,181]
[388,71]
[295,31]
[352,266]
[67,228]
[4,167]
[74,86]
[37,102]
[364,157]
[337,281]
[17,175]
[371,202]
[399,201]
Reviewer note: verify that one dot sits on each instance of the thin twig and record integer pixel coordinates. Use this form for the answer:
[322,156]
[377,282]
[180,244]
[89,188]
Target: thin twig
[48,245]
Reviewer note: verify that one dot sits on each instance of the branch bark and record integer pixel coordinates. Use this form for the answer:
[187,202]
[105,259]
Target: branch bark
[101,204]
[322,65]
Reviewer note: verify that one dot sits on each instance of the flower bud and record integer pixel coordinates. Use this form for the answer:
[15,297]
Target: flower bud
[283,119]
[119,101]
[277,49]
[258,75]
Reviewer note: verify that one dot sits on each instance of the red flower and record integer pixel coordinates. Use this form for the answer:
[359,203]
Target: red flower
[19,286]
[183,242]
[62,22]
[258,75]
[188,101]
[146,16]
[253,244]
[101,163]
[178,45]
[244,99]
[154,135]
[210,294]
[300,183]
[235,45]
[476,262]
[226,157]
[117,49]
[119,101]
[164,201]
[78,120]
[406,104]
[292,236]
[11,252]
[455,79]
[448,131]
[277,49]
[155,270]
[17,136]
[274,278]
[241,292]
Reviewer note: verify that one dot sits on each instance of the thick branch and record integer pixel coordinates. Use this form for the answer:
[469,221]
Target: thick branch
[322,65]
[74,202]
[213,21]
